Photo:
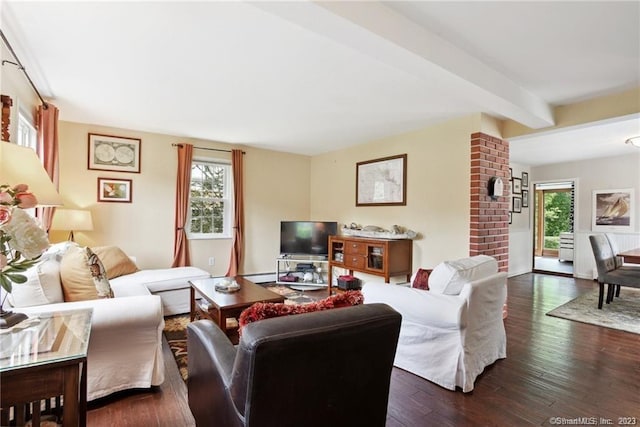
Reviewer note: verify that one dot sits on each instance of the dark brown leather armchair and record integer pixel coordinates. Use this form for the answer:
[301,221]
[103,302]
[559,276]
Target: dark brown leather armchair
[327,368]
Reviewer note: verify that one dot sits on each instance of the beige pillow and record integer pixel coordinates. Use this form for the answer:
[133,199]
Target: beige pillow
[115,261]
[83,276]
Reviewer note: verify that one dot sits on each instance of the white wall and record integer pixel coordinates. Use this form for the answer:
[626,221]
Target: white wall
[520,229]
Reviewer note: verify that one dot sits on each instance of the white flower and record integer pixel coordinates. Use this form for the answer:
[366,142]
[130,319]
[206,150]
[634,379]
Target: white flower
[26,237]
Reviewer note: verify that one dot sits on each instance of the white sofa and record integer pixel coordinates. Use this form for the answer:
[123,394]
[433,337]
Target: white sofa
[451,332]
[125,347]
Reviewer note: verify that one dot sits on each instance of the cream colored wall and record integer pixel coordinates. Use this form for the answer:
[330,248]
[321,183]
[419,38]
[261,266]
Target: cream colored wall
[144,228]
[438,162]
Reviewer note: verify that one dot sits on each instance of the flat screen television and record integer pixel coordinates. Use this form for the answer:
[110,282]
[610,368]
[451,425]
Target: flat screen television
[306,237]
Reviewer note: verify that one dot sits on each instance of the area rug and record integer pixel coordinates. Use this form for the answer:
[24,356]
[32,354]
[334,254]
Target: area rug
[175,330]
[623,313]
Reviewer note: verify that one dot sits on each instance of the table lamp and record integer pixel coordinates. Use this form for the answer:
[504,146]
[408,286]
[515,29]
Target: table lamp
[21,165]
[72,220]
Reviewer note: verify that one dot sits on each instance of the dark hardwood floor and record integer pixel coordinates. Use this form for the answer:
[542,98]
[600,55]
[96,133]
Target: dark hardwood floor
[554,368]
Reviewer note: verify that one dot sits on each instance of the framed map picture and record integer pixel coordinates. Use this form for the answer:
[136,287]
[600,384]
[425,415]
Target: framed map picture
[114,153]
[382,182]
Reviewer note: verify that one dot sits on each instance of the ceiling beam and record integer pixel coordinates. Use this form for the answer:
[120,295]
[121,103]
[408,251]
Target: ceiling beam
[379,32]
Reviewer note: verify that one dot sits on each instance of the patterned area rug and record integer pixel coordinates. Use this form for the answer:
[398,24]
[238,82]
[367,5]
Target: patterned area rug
[175,330]
[623,313]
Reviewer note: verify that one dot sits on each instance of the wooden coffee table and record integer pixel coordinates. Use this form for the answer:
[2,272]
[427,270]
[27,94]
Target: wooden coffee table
[225,308]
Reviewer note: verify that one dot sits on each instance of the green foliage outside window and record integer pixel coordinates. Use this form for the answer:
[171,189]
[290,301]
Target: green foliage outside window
[557,219]
[207,198]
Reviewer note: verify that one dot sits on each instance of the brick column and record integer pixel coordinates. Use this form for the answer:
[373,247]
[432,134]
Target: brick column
[489,223]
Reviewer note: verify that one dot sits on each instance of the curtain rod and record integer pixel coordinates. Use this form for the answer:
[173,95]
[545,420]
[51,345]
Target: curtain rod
[21,68]
[206,148]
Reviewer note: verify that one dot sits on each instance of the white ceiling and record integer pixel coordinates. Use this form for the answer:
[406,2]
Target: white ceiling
[309,77]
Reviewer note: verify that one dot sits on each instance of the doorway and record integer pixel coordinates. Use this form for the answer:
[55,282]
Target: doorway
[553,222]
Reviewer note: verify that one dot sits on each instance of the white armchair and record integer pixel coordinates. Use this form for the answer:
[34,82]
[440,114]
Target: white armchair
[449,339]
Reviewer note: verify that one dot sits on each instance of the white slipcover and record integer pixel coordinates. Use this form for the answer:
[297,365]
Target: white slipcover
[447,339]
[125,346]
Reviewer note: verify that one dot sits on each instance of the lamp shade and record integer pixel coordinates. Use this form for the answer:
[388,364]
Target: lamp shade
[21,165]
[72,219]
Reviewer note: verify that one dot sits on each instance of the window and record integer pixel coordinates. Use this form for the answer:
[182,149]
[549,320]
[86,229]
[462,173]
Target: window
[26,131]
[210,204]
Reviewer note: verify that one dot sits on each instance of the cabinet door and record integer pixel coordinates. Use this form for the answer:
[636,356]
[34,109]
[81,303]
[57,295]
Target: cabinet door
[336,251]
[375,257]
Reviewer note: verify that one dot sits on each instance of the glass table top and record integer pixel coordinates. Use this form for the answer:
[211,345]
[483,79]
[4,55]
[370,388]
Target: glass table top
[46,337]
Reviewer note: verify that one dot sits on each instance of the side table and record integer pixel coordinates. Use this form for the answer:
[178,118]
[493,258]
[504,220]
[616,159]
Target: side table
[41,358]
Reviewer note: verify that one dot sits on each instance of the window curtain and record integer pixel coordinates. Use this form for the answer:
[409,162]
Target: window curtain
[181,256]
[47,128]
[238,217]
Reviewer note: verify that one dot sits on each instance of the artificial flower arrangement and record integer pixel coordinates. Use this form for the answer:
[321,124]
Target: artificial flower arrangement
[22,241]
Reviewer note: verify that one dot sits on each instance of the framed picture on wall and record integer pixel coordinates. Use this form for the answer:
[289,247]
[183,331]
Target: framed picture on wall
[382,182]
[114,153]
[516,186]
[114,190]
[525,180]
[613,210]
[525,198]
[510,217]
[516,204]
[510,173]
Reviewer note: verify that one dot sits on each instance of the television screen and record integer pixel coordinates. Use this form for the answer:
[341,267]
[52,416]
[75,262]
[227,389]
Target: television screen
[306,237]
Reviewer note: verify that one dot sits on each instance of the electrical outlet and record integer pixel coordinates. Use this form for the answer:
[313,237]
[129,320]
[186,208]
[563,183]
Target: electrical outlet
[212,261]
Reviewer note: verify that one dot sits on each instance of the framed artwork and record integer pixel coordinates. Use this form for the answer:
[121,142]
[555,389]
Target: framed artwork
[525,180]
[516,186]
[525,198]
[613,210]
[382,182]
[510,173]
[114,190]
[114,153]
[516,205]
[510,217]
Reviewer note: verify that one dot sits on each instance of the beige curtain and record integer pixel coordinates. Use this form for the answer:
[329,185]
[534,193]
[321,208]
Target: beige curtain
[238,219]
[47,127]
[181,256]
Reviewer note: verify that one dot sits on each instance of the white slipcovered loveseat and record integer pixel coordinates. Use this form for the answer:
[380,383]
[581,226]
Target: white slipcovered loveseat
[125,346]
[452,331]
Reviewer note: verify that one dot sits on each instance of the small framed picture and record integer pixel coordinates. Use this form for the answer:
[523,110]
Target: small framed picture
[114,190]
[510,173]
[114,153]
[516,186]
[525,180]
[516,204]
[510,217]
[525,197]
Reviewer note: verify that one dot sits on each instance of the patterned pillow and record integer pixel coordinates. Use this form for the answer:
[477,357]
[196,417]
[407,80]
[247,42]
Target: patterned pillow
[421,279]
[83,276]
[266,310]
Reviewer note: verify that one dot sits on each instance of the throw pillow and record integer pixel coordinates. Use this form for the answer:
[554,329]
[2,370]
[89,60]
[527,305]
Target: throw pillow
[83,276]
[42,286]
[266,310]
[450,276]
[421,279]
[115,261]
